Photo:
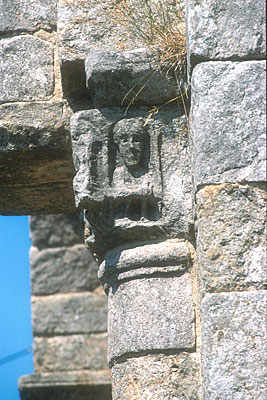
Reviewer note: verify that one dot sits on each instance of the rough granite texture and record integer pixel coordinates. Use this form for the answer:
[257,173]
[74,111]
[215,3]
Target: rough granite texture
[27,15]
[62,270]
[220,29]
[228,122]
[151,314]
[69,314]
[123,205]
[83,377]
[157,376]
[36,167]
[46,198]
[69,322]
[130,77]
[231,237]
[70,353]
[32,127]
[84,26]
[81,385]
[55,230]
[146,260]
[234,346]
[150,296]
[35,142]
[26,69]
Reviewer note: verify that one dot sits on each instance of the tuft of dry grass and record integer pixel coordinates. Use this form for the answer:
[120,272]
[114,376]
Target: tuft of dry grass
[158,24]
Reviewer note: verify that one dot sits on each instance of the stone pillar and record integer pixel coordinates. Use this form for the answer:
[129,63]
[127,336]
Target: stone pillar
[69,315]
[226,47]
[134,184]
[151,322]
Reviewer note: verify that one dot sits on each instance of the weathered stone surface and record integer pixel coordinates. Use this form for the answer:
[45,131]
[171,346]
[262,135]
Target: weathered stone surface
[233,345]
[69,313]
[35,144]
[84,26]
[26,69]
[70,353]
[82,385]
[228,121]
[230,235]
[41,199]
[134,180]
[29,127]
[158,377]
[61,270]
[151,314]
[146,260]
[55,230]
[29,169]
[36,167]
[123,78]
[27,15]
[220,30]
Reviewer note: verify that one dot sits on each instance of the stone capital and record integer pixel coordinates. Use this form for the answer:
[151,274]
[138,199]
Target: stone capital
[146,260]
[133,176]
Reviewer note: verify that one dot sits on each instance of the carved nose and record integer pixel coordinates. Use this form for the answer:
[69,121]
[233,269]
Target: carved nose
[131,142]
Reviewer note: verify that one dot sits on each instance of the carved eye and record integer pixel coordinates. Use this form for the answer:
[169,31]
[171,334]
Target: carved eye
[124,138]
[137,138]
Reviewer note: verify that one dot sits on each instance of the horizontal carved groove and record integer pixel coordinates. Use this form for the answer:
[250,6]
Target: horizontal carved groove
[142,353]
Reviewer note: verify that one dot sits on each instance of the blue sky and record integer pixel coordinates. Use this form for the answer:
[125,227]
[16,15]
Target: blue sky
[15,328]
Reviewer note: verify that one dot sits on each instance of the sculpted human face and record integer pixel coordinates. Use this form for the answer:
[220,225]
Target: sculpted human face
[131,146]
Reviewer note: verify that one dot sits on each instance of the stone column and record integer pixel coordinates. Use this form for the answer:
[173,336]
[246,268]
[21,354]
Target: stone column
[226,47]
[151,321]
[134,184]
[69,311]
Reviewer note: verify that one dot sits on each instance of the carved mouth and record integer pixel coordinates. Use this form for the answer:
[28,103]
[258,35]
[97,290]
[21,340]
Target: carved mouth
[133,157]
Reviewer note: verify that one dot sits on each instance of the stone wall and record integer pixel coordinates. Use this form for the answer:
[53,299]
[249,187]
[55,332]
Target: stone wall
[69,315]
[186,291]
[34,122]
[43,48]
[226,49]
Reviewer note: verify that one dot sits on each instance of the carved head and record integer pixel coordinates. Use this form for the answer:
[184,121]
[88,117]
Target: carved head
[130,136]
